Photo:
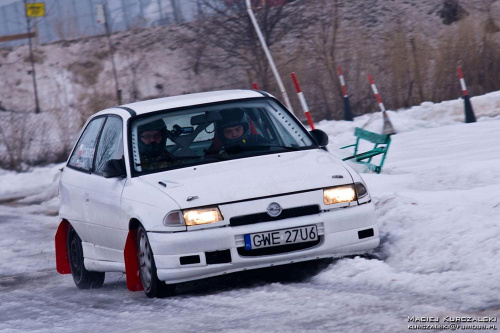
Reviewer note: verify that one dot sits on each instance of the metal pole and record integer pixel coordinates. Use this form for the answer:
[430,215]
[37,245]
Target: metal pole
[5,23]
[37,40]
[269,56]
[37,104]
[141,10]
[111,48]
[18,13]
[161,11]
[75,10]
[92,17]
[58,7]
[175,9]
[125,15]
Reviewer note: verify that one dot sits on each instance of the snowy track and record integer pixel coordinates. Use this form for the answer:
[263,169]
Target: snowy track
[438,208]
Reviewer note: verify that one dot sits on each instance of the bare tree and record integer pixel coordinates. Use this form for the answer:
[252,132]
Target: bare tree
[134,63]
[323,42]
[225,38]
[324,39]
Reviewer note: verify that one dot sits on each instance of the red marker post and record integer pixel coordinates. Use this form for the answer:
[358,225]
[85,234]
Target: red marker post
[255,86]
[388,128]
[302,99]
[469,112]
[376,93]
[347,105]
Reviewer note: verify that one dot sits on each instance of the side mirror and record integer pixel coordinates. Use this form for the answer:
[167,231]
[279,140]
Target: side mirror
[114,168]
[320,137]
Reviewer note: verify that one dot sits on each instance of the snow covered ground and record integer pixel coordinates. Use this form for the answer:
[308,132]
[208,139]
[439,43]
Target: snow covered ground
[438,208]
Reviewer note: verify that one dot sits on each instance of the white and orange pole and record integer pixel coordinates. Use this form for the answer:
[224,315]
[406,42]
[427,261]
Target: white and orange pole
[347,105]
[388,128]
[376,93]
[469,112]
[462,81]
[302,100]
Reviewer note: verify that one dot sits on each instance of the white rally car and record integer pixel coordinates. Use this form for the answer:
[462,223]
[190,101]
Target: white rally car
[188,187]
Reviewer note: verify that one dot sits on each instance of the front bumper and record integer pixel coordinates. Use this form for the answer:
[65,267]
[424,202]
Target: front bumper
[338,230]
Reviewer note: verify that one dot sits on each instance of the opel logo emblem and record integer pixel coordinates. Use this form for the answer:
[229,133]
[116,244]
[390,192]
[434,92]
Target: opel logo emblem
[274,209]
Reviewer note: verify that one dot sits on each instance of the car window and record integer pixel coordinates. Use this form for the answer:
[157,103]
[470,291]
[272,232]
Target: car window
[83,155]
[214,133]
[181,128]
[187,135]
[110,144]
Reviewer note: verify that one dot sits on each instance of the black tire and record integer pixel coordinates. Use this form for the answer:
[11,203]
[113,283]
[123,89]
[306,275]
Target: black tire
[83,278]
[153,287]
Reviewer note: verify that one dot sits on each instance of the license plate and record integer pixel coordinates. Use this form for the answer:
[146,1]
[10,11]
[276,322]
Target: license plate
[281,237]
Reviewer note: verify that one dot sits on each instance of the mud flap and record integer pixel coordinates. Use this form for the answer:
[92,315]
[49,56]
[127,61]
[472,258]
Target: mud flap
[61,242]
[134,282]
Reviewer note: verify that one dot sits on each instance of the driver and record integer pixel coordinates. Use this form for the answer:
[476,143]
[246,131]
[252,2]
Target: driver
[234,130]
[152,151]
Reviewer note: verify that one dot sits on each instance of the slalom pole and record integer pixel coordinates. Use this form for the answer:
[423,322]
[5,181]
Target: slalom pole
[376,93]
[469,112]
[302,99]
[255,86]
[388,128]
[347,105]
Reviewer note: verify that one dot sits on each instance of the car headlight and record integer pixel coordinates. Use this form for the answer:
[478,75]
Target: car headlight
[339,194]
[202,216]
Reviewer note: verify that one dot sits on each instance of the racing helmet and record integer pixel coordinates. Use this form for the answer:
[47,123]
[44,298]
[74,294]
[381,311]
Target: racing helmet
[153,148]
[230,118]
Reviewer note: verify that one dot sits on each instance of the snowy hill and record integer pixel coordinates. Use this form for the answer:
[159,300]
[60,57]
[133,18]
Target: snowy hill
[438,202]
[162,61]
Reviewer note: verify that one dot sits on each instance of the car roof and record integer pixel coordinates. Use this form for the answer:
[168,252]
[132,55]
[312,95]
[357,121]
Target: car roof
[192,99]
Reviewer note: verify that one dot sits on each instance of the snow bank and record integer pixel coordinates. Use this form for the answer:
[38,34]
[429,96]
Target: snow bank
[438,203]
[425,115]
[36,189]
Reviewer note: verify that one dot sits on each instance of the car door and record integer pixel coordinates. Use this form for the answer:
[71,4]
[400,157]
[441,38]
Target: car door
[73,194]
[110,226]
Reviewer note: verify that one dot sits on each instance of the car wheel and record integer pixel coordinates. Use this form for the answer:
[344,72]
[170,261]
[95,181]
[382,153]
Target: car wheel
[153,287]
[83,278]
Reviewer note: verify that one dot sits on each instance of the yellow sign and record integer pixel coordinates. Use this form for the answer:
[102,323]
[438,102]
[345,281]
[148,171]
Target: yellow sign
[36,9]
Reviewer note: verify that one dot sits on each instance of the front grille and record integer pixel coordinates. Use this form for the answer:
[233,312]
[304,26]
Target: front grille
[264,217]
[277,249]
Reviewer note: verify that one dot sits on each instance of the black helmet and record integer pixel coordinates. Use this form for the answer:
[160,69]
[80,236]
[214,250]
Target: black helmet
[157,125]
[231,118]
[153,148]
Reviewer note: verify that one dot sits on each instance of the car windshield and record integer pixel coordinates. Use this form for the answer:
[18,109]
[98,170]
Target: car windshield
[210,134]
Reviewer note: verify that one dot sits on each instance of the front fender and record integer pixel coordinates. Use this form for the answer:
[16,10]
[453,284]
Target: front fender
[144,202]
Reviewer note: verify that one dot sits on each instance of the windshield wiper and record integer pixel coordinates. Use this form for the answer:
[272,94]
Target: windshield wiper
[243,148]
[284,147]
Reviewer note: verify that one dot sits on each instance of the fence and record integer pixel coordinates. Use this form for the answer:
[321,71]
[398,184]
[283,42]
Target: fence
[68,19]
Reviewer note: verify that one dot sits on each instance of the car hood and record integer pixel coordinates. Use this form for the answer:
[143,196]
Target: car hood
[249,178]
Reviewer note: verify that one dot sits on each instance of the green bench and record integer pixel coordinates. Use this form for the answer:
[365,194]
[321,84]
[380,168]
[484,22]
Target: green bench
[381,141]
